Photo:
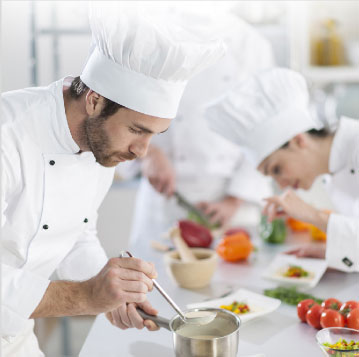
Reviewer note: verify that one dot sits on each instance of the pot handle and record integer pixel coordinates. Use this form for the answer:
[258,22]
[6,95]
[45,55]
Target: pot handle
[160,321]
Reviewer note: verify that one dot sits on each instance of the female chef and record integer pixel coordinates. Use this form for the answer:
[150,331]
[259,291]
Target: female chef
[268,115]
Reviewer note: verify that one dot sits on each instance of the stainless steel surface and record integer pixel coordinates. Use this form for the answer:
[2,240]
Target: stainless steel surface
[219,338]
[279,334]
[222,340]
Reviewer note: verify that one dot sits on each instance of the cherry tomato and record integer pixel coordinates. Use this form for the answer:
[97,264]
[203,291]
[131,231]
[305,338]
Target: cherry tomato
[303,307]
[353,319]
[313,316]
[348,306]
[332,304]
[331,318]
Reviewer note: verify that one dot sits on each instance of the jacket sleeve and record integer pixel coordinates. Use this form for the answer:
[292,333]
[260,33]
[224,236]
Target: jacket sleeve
[248,184]
[86,258]
[343,243]
[16,303]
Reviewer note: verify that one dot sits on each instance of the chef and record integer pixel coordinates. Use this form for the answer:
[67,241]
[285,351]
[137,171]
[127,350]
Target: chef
[205,168]
[59,147]
[268,115]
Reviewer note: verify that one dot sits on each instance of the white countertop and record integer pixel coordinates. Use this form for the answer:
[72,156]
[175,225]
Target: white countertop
[279,334]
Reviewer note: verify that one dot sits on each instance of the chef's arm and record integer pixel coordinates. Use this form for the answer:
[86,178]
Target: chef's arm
[120,281]
[342,251]
[159,171]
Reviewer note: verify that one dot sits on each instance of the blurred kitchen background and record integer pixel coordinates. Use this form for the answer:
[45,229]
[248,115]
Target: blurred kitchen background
[43,41]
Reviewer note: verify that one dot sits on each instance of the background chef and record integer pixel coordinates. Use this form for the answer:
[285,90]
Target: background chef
[60,144]
[269,116]
[204,167]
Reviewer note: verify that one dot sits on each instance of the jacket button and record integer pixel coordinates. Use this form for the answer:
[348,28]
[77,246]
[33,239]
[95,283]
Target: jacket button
[52,162]
[352,171]
[86,220]
[45,226]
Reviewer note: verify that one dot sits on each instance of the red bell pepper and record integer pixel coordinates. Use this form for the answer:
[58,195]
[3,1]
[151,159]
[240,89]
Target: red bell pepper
[194,234]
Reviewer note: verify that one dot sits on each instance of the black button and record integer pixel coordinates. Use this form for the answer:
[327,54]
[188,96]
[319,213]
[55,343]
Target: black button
[45,226]
[86,220]
[352,171]
[52,162]
[347,262]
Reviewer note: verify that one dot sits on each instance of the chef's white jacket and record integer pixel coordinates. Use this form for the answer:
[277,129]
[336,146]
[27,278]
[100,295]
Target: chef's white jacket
[343,186]
[50,196]
[207,166]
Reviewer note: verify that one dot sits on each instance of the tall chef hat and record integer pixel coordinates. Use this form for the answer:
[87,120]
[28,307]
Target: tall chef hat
[143,61]
[264,112]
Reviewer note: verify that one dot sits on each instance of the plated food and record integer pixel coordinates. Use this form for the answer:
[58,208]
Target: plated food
[257,305]
[289,270]
[237,307]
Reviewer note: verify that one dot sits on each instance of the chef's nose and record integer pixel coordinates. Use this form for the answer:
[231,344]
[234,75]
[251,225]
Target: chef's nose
[140,147]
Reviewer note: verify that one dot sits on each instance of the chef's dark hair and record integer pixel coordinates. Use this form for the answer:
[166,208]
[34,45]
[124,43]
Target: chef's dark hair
[320,134]
[78,88]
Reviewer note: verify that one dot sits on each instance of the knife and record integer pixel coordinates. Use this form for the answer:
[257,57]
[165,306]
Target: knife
[202,218]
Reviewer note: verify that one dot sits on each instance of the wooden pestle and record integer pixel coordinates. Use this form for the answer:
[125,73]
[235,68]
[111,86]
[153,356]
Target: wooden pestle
[185,253]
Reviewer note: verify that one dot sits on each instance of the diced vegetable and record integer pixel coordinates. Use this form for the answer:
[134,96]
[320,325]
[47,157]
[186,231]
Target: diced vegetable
[237,307]
[295,271]
[343,345]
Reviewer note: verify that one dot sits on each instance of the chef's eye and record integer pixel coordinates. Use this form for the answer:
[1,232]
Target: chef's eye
[134,131]
[276,170]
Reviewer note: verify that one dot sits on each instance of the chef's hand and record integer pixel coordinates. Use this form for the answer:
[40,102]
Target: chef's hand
[159,171]
[315,250]
[220,212]
[290,204]
[126,316]
[121,281]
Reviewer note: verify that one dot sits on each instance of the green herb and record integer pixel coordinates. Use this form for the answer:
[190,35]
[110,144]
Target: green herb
[290,295]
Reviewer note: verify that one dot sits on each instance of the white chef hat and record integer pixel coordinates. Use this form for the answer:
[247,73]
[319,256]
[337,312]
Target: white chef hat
[264,112]
[141,61]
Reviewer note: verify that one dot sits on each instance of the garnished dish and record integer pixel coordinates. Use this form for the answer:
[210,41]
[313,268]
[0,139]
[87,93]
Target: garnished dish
[237,307]
[295,271]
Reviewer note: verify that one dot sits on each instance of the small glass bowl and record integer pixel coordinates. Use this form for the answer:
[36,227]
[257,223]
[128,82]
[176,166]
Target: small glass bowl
[332,335]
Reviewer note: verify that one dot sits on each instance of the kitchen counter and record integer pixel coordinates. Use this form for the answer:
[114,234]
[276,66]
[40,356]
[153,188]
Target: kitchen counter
[279,334]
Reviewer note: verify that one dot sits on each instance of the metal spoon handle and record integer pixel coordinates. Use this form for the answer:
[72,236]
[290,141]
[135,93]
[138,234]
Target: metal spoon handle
[170,301]
[159,288]
[158,320]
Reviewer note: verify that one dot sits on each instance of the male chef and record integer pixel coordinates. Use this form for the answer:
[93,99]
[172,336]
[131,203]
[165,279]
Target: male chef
[60,145]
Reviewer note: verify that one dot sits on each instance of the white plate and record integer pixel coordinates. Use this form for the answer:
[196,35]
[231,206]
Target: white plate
[259,305]
[315,267]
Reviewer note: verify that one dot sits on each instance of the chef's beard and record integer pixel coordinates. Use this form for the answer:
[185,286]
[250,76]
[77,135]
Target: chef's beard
[99,143]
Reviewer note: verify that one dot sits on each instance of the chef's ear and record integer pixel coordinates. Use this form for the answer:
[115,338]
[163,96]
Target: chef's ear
[93,103]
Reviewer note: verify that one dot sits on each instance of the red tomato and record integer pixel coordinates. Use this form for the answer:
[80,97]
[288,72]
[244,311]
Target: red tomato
[303,307]
[331,318]
[332,304]
[348,306]
[235,230]
[313,316]
[353,319]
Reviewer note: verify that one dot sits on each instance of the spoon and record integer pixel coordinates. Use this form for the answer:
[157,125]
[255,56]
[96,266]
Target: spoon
[191,317]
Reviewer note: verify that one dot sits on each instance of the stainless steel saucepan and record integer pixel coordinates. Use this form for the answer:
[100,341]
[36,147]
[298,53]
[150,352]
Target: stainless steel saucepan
[218,338]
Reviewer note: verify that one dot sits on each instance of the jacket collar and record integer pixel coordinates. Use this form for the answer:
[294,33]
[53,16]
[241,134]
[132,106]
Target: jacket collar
[345,144]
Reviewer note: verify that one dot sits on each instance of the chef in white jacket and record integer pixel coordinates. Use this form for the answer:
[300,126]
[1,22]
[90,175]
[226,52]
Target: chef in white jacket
[205,168]
[59,147]
[268,115]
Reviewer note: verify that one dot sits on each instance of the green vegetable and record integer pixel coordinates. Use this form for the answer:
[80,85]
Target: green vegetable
[290,295]
[193,216]
[273,232]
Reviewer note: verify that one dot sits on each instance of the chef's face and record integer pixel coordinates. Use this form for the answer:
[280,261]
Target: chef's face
[293,165]
[122,136]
